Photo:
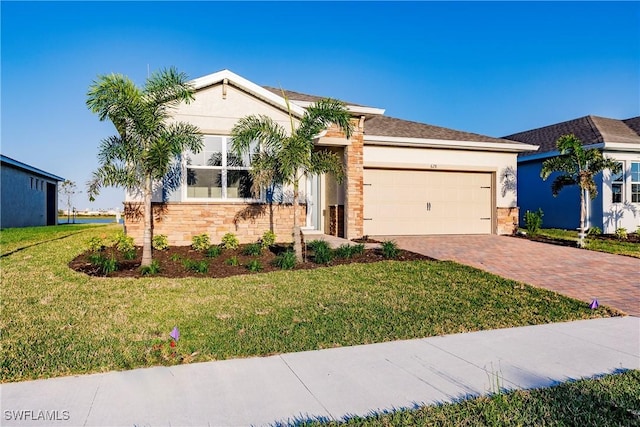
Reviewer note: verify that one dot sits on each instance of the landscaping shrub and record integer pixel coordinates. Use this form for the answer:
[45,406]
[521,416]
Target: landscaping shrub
[594,231]
[322,253]
[232,261]
[230,241]
[149,270]
[344,251]
[254,265]
[253,249]
[357,249]
[196,266]
[175,258]
[286,260]
[200,242]
[160,242]
[533,221]
[107,265]
[96,244]
[621,233]
[214,251]
[390,249]
[268,239]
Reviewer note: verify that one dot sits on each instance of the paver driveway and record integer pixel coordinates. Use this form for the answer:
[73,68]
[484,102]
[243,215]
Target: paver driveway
[613,279]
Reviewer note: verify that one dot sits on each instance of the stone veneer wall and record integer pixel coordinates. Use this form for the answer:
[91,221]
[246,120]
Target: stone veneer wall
[181,221]
[354,171]
[507,220]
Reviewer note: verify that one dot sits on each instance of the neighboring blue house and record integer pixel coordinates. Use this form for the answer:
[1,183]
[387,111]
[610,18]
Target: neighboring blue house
[28,196]
[618,201]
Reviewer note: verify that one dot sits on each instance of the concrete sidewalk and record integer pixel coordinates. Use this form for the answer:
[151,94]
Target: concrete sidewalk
[330,383]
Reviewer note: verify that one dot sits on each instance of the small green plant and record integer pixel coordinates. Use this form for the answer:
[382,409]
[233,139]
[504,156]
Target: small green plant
[344,251]
[214,251]
[268,239]
[357,249]
[253,249]
[125,245]
[106,265]
[254,266]
[160,242]
[390,249]
[286,260]
[200,242]
[196,266]
[621,233]
[96,244]
[175,258]
[322,253]
[230,241]
[594,231]
[233,261]
[150,270]
[533,221]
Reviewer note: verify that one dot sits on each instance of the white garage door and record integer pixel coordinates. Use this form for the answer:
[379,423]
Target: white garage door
[406,202]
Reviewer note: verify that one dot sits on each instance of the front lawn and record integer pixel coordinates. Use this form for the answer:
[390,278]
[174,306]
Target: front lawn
[55,321]
[612,400]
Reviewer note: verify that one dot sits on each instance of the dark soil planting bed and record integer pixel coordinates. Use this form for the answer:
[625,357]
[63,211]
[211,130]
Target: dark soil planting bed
[175,261]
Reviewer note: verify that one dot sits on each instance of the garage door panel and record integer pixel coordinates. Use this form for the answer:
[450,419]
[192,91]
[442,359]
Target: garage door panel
[427,202]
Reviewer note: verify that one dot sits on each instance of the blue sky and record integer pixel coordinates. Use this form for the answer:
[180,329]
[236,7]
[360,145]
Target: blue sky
[491,68]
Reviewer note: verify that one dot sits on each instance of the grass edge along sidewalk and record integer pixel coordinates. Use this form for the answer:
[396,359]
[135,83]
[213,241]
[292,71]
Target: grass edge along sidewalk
[609,400]
[58,322]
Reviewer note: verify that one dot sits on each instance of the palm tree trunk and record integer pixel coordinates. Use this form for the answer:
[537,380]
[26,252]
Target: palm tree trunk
[146,236]
[583,214]
[297,235]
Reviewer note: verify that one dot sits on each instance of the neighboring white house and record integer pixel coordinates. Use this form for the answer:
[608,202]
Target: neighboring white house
[29,196]
[402,177]
[618,201]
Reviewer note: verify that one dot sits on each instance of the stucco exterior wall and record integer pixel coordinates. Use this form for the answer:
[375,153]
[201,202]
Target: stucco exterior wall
[562,211]
[23,198]
[625,214]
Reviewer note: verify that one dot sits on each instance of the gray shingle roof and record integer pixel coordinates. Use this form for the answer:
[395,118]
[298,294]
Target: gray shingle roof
[390,126]
[589,129]
[297,96]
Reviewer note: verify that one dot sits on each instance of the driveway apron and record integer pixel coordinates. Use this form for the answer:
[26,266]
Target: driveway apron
[613,280]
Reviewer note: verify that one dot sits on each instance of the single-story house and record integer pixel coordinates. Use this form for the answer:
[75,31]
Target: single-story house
[29,196]
[402,177]
[618,201]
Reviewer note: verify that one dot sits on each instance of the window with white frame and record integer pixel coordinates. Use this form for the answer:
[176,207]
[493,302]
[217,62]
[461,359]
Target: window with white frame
[217,172]
[635,182]
[617,185]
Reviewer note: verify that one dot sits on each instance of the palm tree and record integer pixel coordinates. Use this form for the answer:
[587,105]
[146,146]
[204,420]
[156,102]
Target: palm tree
[284,158]
[148,146]
[577,166]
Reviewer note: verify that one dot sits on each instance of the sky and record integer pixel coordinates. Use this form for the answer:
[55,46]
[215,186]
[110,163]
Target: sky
[493,68]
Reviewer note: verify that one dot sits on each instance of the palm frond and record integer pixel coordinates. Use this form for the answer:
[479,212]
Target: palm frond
[168,87]
[257,128]
[325,161]
[322,114]
[560,182]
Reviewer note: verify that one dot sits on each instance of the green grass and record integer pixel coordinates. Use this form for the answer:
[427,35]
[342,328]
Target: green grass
[618,247]
[612,400]
[12,239]
[57,322]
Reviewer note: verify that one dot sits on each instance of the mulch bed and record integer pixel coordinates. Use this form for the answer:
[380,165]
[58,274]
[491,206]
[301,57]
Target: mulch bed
[171,262]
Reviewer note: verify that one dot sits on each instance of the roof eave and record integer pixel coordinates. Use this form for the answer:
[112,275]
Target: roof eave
[513,147]
[24,166]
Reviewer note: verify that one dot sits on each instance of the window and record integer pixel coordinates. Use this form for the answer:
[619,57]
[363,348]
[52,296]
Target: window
[617,183]
[217,173]
[635,182]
